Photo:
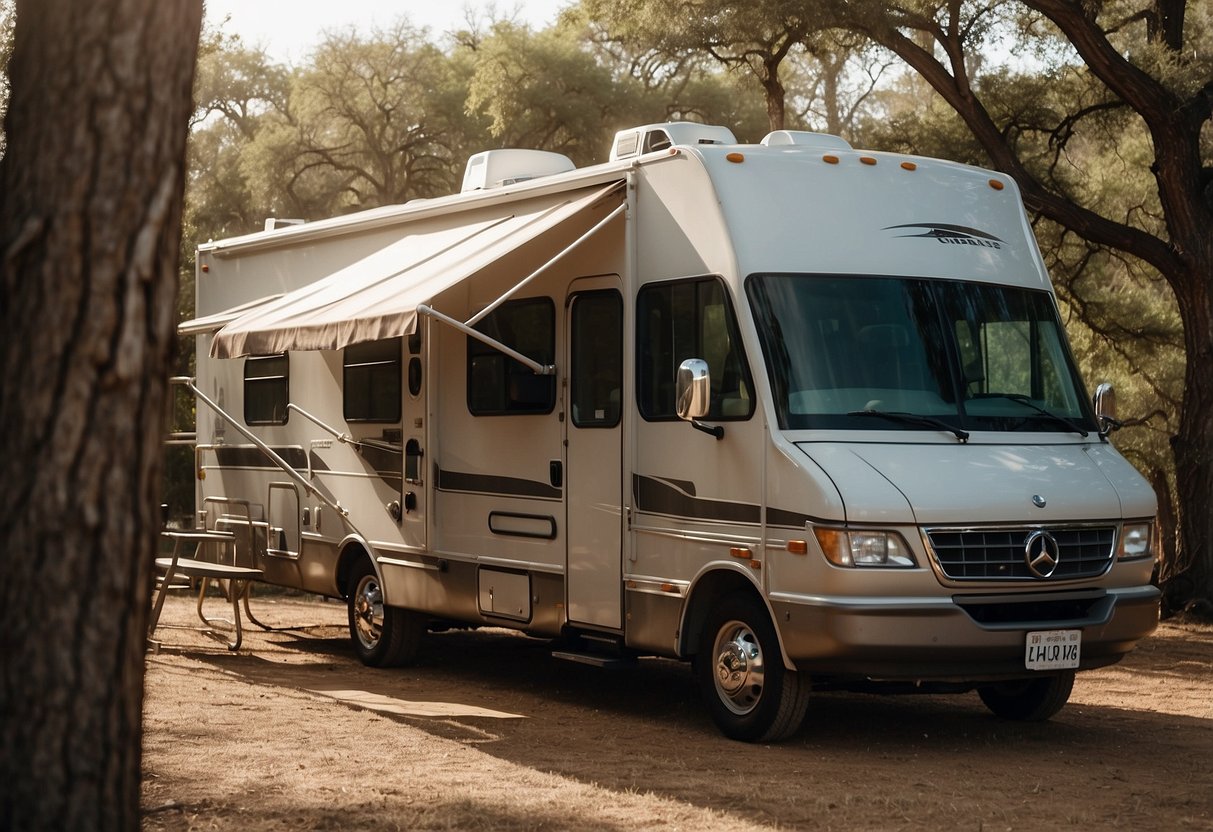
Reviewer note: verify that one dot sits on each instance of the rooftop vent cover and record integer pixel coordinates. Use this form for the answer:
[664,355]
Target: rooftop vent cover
[803,138]
[495,168]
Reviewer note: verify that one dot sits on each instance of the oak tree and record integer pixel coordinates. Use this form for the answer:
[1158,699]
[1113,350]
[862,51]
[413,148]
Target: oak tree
[1149,61]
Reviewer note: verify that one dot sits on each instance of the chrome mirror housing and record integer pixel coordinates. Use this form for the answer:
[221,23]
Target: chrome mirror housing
[1105,408]
[692,389]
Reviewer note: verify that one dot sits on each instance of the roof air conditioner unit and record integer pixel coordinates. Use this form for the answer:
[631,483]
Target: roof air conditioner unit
[495,168]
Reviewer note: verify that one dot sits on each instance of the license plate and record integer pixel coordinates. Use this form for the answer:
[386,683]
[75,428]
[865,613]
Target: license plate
[1052,650]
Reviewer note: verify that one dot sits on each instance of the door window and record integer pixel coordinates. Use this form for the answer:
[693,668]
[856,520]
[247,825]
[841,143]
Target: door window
[597,359]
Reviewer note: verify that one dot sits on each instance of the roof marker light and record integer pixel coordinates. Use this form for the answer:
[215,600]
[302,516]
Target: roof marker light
[867,160]
[996,185]
[830,160]
[736,158]
[909,166]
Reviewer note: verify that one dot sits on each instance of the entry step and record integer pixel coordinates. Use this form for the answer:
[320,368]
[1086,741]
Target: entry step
[595,659]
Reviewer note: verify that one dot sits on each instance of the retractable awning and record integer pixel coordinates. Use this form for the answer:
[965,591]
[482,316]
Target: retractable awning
[377,297]
[210,323]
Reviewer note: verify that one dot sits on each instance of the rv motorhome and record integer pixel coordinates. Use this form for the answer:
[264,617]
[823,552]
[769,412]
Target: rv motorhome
[801,414]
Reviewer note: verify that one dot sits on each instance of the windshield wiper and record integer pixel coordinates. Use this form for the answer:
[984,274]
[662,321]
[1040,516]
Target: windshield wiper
[1040,411]
[914,419]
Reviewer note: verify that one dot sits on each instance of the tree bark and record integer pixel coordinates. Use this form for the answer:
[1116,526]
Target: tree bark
[1192,448]
[90,204]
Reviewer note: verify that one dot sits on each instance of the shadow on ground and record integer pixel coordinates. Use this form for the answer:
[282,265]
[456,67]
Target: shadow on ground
[932,759]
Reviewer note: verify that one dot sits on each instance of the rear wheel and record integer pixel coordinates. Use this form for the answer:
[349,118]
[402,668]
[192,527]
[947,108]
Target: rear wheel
[1028,700]
[383,636]
[749,693]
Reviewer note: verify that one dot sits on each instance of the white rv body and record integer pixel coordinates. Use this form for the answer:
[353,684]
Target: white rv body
[564,496]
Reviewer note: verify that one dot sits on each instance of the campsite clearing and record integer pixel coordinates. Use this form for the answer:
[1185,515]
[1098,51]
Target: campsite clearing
[489,731]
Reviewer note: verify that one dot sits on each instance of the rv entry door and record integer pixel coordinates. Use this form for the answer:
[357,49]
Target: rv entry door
[594,453]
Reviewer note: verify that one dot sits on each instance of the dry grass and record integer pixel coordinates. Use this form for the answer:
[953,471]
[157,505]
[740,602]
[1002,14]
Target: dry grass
[489,732]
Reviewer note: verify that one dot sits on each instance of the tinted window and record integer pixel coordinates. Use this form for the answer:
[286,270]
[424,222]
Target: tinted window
[689,319]
[499,385]
[266,389]
[596,375]
[372,381]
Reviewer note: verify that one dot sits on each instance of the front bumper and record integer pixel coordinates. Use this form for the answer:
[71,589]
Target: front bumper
[961,638]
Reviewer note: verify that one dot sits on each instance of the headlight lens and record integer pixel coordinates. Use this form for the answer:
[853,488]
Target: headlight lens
[1134,541]
[864,548]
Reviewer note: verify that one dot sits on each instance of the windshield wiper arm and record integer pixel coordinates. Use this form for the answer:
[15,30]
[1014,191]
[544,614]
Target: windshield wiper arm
[1040,411]
[914,419]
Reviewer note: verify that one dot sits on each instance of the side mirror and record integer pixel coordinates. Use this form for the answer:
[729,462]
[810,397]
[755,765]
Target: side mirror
[1105,408]
[693,395]
[692,389]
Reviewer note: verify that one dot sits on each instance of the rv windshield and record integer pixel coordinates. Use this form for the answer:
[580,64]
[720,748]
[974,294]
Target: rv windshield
[916,355]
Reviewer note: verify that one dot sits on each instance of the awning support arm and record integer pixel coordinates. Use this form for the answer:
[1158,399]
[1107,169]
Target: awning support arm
[261,446]
[343,438]
[534,366]
[488,310]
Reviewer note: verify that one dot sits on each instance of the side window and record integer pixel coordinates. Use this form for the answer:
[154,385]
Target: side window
[689,319]
[497,384]
[266,389]
[371,381]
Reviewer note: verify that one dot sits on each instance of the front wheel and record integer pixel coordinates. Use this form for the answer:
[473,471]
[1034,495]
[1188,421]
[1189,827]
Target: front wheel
[748,691]
[1028,700]
[383,636]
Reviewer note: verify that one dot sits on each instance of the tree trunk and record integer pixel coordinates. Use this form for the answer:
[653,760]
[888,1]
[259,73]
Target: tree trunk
[90,204]
[775,94]
[1192,448]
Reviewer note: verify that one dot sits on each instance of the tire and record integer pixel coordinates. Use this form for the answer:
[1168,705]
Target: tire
[383,636]
[1028,700]
[751,696]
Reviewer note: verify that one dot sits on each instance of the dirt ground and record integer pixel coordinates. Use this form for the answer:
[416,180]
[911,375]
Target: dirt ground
[489,731]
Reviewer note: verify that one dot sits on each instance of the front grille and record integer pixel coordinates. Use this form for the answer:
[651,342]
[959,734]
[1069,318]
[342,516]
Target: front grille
[998,554]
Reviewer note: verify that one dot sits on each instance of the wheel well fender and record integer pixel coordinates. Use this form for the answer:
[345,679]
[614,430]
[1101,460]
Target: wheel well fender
[351,550]
[705,592]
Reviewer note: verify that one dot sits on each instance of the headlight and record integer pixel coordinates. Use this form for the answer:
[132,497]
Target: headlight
[1134,541]
[864,548]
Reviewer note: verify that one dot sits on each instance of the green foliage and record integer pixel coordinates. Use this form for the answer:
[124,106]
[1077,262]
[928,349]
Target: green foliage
[542,90]
[369,123]
[807,75]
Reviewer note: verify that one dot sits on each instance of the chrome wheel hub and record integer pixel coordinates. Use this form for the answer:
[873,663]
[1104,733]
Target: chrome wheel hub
[737,667]
[368,611]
